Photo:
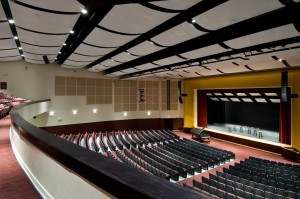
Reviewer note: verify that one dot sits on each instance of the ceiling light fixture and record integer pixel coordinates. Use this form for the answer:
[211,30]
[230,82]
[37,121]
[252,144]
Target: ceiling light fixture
[64,44]
[83,11]
[15,37]
[22,55]
[193,21]
[11,21]
[71,31]
[59,52]
[280,60]
[20,48]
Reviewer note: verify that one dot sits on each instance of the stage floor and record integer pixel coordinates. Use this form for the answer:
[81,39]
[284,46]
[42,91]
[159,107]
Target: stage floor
[251,132]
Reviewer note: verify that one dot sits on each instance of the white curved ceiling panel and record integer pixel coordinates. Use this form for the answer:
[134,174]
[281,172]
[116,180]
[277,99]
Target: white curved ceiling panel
[100,67]
[133,18]
[51,58]
[264,62]
[93,70]
[130,70]
[235,11]
[77,57]
[206,72]
[34,61]
[291,56]
[57,5]
[41,39]
[175,4]
[144,48]
[10,58]
[292,45]
[100,37]
[74,63]
[202,52]
[92,51]
[118,73]
[7,53]
[273,34]
[227,67]
[5,30]
[109,62]
[146,66]
[169,60]
[7,43]
[124,57]
[178,34]
[42,21]
[71,66]
[2,14]
[39,50]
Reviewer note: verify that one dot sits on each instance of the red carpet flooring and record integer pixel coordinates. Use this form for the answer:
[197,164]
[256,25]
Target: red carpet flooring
[13,181]
[241,152]
[15,184]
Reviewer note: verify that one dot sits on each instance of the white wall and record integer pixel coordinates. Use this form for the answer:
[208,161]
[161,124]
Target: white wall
[36,82]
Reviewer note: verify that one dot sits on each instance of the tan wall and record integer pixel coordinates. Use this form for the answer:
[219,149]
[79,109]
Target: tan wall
[253,80]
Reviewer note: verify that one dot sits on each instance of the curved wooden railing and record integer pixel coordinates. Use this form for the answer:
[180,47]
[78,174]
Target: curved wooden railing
[118,179]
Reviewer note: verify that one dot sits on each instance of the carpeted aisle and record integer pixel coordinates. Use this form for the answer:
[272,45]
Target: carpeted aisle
[13,181]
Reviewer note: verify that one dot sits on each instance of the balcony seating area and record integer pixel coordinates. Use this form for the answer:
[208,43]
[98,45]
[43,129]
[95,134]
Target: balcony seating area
[160,152]
[9,101]
[253,178]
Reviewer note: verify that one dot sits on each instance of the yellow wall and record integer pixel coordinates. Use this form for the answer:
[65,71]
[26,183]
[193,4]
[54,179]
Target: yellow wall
[252,80]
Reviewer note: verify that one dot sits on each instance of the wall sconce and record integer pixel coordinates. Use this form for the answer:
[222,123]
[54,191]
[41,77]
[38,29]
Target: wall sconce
[51,113]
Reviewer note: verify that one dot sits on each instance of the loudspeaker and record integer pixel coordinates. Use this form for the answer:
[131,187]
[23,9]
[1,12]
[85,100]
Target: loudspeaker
[46,60]
[284,85]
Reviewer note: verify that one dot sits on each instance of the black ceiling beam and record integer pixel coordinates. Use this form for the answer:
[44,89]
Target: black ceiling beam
[282,42]
[83,27]
[13,29]
[186,15]
[279,17]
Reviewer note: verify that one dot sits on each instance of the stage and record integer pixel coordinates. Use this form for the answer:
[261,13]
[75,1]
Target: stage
[251,132]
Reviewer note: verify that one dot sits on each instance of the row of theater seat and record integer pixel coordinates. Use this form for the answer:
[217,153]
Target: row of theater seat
[232,184]
[118,140]
[9,101]
[157,151]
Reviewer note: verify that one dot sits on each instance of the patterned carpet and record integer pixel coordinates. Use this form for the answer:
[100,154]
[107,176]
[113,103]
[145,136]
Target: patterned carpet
[13,181]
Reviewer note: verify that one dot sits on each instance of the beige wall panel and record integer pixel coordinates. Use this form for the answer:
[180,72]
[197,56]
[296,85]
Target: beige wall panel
[91,90]
[60,90]
[71,81]
[60,80]
[81,81]
[90,99]
[71,90]
[81,90]
[91,82]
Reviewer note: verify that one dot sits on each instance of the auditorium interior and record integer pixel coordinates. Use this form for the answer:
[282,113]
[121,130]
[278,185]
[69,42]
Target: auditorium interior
[150,99]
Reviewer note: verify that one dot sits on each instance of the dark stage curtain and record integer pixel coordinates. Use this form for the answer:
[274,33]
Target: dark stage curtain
[285,122]
[202,108]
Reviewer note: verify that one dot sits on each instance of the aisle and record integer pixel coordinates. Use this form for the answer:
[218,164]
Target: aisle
[14,183]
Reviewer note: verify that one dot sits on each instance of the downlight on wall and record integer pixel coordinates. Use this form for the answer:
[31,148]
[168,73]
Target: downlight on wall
[95,110]
[125,114]
[51,113]
[148,112]
[74,112]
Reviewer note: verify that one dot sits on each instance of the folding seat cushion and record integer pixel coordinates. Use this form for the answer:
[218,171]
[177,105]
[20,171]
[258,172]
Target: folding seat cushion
[229,189]
[276,196]
[248,189]
[238,185]
[248,195]
[280,191]
[260,186]
[229,196]
[259,192]
[269,195]
[270,189]
[290,194]
[238,192]
[220,194]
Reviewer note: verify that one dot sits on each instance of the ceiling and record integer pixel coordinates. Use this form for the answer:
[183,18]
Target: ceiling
[171,38]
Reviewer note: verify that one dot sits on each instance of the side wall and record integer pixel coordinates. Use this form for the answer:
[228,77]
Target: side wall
[36,82]
[253,80]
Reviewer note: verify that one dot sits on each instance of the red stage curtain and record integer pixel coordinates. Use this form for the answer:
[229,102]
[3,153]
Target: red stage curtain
[202,108]
[285,122]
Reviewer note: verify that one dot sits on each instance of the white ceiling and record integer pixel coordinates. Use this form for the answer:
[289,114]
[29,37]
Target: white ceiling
[155,38]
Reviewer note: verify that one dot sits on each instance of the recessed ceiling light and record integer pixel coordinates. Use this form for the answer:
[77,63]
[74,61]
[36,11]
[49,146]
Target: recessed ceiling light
[22,55]
[83,11]
[15,37]
[193,21]
[20,48]
[280,60]
[64,44]
[55,58]
[59,52]
[71,31]
[11,21]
